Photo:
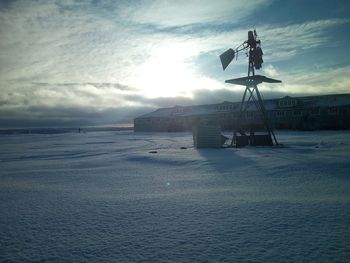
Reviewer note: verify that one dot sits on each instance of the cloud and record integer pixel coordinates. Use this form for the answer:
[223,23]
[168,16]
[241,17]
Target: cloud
[166,13]
[285,42]
[270,70]
[69,116]
[96,95]
[43,41]
[95,84]
[322,81]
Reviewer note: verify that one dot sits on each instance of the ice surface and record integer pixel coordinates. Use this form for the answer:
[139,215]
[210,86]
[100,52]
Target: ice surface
[101,196]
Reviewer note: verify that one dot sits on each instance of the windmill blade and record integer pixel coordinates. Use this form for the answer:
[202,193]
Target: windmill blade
[227,57]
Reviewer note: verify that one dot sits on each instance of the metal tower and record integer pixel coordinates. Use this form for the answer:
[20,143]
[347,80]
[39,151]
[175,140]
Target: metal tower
[251,96]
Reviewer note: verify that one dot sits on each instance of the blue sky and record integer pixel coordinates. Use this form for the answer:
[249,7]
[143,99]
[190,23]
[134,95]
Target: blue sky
[77,63]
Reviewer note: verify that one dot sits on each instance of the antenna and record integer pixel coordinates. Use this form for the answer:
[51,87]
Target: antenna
[252,46]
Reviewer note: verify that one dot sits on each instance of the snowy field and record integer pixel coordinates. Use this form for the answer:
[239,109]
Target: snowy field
[102,197]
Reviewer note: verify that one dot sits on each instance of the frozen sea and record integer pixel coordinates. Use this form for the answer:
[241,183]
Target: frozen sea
[103,197]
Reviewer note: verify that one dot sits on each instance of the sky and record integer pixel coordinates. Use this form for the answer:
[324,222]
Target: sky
[69,63]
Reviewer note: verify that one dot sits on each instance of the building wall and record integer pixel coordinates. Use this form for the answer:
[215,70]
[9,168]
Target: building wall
[312,118]
[289,113]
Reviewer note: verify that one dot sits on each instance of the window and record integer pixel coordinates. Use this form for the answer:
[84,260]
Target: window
[224,116]
[178,110]
[297,113]
[224,107]
[287,102]
[249,115]
[332,111]
[315,111]
[280,113]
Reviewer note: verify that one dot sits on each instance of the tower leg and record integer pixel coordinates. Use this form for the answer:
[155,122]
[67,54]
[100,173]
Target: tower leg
[239,119]
[265,117]
[239,140]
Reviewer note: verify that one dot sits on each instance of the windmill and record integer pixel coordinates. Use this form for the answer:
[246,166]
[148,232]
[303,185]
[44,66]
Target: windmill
[252,47]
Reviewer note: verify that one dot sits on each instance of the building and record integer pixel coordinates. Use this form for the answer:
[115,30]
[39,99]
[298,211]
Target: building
[305,113]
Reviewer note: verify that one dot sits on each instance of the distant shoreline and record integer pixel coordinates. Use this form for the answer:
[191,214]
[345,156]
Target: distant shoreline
[60,130]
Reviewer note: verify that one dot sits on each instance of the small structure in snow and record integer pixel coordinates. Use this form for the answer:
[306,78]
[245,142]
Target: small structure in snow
[253,140]
[206,135]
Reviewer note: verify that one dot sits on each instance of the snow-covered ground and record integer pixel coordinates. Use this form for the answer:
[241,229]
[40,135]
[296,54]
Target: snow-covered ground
[101,196]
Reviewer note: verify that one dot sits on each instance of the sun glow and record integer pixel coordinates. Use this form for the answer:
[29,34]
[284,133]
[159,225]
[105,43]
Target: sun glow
[169,71]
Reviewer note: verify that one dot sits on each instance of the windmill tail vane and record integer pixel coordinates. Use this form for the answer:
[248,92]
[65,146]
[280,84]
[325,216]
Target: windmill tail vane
[251,45]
